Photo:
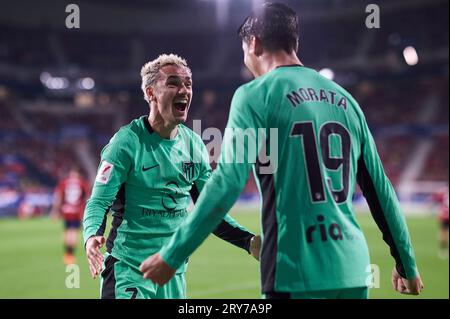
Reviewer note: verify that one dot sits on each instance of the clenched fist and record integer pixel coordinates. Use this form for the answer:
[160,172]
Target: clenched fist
[255,246]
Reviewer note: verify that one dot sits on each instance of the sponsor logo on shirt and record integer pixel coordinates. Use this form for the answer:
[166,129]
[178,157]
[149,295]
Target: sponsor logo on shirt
[324,232]
[104,172]
[168,201]
[144,169]
[163,213]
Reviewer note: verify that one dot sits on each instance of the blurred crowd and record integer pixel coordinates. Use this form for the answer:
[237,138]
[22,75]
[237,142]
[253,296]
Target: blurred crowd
[41,127]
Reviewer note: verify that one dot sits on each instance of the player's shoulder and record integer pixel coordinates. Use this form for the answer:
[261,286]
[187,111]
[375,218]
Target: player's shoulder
[190,134]
[247,92]
[252,87]
[323,83]
[133,128]
[129,131]
[344,93]
[271,79]
[127,135]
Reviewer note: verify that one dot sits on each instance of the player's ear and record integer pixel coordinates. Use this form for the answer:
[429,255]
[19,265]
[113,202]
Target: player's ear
[251,45]
[150,93]
[256,45]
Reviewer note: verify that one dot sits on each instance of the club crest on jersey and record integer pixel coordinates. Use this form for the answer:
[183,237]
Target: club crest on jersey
[104,172]
[188,170]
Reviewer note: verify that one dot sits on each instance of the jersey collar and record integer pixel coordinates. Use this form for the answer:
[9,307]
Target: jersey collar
[288,66]
[147,124]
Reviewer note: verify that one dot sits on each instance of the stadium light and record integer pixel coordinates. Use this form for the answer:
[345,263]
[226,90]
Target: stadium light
[53,83]
[45,76]
[328,73]
[57,83]
[87,83]
[410,55]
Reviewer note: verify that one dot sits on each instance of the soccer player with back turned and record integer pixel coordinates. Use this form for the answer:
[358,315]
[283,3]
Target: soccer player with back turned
[70,198]
[150,168]
[313,246]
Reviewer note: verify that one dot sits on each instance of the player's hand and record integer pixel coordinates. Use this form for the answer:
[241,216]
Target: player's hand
[406,286]
[255,246]
[94,256]
[157,270]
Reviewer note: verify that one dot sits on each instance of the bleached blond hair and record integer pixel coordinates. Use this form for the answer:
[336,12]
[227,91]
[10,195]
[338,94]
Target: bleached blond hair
[150,70]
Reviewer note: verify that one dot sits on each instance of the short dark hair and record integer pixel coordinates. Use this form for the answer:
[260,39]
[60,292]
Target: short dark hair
[275,25]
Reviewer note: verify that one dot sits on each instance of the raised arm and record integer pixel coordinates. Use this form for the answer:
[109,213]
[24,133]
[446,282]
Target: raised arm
[112,173]
[228,229]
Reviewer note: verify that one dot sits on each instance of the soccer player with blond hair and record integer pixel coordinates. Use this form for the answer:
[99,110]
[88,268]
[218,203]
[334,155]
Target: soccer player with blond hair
[148,172]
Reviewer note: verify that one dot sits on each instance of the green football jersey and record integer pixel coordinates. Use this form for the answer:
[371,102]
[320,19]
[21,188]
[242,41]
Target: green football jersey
[147,181]
[312,240]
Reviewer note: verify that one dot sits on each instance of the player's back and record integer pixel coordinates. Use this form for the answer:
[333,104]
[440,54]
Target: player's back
[319,135]
[317,240]
[74,191]
[322,145]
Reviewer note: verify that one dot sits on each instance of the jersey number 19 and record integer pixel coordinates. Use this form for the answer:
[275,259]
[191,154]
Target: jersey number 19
[311,156]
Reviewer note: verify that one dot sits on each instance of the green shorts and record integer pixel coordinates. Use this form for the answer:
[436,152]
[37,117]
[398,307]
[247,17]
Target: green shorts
[120,280]
[348,293]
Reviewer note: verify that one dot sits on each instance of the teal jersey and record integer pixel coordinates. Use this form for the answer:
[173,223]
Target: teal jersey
[147,181]
[311,238]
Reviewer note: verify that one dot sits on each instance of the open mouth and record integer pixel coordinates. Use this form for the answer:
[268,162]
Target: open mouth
[180,105]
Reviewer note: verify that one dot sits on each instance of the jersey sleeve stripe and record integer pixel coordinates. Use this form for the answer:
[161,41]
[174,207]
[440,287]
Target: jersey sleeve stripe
[118,207]
[270,231]
[368,188]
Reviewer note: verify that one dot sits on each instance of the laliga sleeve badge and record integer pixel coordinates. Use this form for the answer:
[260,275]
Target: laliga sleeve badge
[104,172]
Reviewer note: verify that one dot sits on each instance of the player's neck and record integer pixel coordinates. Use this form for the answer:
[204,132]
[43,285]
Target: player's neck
[164,130]
[271,61]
